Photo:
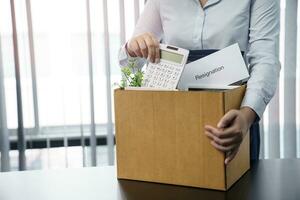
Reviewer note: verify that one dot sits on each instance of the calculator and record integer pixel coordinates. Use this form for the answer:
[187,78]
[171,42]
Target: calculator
[167,72]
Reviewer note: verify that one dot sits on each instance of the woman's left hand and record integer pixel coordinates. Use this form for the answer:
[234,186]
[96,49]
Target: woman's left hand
[230,131]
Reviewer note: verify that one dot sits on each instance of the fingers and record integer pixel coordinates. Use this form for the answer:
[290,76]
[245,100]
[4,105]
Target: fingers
[224,142]
[223,148]
[151,49]
[228,135]
[134,48]
[227,119]
[231,148]
[143,47]
[231,156]
[231,151]
[146,46]
[221,133]
[157,55]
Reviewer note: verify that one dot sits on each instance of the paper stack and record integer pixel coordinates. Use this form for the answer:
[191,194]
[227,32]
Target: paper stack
[215,71]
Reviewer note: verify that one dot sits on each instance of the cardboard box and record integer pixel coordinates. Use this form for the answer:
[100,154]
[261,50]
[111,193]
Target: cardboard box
[160,137]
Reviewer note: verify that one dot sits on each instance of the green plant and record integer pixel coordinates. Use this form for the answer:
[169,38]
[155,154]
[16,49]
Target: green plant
[131,75]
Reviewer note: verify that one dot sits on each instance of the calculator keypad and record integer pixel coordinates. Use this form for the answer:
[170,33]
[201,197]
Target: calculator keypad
[162,75]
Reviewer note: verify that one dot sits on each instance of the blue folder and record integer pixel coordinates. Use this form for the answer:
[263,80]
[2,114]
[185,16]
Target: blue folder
[197,54]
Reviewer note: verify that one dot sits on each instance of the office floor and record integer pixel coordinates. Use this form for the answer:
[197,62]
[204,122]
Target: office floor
[58,158]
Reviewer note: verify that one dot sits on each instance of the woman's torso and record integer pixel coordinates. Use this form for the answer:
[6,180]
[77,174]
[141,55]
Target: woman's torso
[219,24]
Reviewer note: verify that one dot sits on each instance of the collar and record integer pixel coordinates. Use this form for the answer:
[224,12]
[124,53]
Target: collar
[209,3]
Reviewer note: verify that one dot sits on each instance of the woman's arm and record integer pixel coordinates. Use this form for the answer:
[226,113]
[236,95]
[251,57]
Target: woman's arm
[144,43]
[264,65]
[264,73]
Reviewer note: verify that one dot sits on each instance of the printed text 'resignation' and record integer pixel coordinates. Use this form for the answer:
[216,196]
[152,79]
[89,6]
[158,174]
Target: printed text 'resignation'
[207,74]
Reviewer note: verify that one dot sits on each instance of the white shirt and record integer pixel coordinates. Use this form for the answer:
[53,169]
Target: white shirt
[253,24]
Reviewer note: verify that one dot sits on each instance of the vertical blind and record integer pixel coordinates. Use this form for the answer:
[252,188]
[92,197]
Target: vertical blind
[58,65]
[280,126]
[58,62]
[4,139]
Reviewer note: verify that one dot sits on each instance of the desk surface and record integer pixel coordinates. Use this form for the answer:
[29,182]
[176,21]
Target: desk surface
[269,179]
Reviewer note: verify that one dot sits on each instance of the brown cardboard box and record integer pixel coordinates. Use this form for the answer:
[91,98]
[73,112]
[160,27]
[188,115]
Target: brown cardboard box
[160,137]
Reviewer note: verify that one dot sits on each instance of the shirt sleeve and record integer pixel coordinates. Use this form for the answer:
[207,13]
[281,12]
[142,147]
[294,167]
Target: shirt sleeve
[149,21]
[262,56]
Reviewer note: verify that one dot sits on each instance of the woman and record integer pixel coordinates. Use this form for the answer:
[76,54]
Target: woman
[216,24]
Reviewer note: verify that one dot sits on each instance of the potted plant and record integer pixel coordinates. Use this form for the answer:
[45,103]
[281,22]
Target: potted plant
[132,75]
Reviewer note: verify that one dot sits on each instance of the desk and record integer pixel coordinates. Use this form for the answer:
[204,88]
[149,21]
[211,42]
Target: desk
[268,179]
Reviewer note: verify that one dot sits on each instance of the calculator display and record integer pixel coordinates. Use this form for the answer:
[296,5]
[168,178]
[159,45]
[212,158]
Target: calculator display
[170,56]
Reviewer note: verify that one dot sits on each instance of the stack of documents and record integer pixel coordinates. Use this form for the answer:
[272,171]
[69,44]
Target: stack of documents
[219,70]
[215,71]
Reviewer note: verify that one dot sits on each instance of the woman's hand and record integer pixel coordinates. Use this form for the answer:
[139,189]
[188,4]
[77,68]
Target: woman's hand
[145,45]
[230,131]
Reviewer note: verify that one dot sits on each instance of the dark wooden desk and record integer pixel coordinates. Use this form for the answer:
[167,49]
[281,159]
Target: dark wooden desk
[269,179]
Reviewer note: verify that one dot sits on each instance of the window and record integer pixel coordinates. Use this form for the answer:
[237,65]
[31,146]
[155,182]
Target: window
[57,63]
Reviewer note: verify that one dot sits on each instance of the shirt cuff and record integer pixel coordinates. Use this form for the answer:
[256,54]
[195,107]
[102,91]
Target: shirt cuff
[123,56]
[256,102]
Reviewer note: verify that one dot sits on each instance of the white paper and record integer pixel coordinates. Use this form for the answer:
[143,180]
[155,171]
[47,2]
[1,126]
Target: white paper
[149,89]
[214,87]
[222,68]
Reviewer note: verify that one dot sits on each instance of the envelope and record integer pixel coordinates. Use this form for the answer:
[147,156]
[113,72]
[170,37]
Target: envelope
[221,68]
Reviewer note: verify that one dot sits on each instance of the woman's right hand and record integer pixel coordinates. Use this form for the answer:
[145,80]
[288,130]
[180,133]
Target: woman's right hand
[145,46]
